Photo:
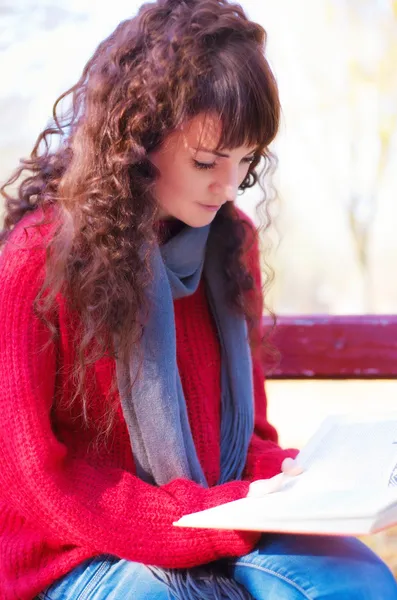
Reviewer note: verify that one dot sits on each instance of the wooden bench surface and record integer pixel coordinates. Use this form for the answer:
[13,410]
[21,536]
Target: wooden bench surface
[335,347]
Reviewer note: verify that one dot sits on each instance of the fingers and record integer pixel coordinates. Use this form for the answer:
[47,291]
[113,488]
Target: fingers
[290,467]
[261,487]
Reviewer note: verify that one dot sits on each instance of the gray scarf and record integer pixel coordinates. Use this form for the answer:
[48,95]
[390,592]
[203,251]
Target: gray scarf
[153,386]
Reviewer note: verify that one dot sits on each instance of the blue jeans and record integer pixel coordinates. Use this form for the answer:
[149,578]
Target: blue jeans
[282,567]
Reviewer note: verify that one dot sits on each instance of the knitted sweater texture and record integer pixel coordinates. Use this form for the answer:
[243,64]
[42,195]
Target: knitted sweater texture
[64,498]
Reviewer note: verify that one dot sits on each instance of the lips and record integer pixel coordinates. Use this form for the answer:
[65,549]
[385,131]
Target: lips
[212,206]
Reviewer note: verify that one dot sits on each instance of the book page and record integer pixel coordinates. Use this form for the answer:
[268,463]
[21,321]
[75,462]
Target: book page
[327,512]
[349,480]
[349,452]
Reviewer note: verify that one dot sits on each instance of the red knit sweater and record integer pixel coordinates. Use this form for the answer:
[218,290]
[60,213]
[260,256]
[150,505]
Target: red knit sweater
[62,499]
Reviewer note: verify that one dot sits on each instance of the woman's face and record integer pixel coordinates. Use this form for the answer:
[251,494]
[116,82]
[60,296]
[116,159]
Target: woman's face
[195,180]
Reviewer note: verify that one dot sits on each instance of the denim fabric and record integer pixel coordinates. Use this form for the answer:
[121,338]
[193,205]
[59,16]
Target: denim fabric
[282,567]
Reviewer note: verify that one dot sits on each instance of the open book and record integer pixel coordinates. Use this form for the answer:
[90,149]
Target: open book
[349,485]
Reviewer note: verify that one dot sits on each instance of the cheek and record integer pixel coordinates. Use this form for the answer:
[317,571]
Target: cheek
[194,182]
[168,185]
[171,193]
[179,183]
[243,174]
[186,185]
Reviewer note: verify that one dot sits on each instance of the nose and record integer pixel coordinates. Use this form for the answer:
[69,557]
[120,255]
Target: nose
[226,187]
[230,192]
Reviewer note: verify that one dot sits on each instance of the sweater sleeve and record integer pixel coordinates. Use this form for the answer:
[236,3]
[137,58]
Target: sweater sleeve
[264,456]
[104,510]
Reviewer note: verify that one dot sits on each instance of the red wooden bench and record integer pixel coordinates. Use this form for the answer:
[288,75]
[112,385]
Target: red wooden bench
[335,347]
[316,347]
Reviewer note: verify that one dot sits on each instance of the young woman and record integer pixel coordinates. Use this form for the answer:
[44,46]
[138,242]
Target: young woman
[130,345]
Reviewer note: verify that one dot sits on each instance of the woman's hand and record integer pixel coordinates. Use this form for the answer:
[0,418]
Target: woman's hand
[291,467]
[261,487]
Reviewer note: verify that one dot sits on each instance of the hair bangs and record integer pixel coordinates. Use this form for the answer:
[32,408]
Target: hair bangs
[241,89]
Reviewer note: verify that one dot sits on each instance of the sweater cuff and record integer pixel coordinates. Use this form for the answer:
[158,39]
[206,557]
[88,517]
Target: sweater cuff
[230,543]
[266,463]
[224,543]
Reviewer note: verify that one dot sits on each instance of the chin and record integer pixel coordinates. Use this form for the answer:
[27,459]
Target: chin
[197,219]
[197,222]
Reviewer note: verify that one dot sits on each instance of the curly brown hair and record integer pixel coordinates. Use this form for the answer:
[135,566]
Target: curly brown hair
[174,60]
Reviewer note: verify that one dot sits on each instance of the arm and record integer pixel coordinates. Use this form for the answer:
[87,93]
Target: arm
[106,510]
[265,456]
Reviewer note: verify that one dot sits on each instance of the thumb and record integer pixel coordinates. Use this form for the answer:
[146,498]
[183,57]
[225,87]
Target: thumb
[290,467]
[261,487]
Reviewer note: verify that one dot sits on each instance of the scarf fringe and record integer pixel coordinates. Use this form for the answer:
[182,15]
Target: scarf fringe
[200,583]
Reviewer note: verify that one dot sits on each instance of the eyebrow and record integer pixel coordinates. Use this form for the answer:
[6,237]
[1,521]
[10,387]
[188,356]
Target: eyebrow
[217,153]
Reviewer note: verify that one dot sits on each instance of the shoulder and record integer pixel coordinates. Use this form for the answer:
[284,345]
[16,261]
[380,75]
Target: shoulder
[34,230]
[24,253]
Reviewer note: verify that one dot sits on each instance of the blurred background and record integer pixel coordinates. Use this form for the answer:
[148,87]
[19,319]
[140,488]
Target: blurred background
[335,219]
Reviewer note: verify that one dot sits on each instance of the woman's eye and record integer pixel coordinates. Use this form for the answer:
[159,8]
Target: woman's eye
[200,165]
